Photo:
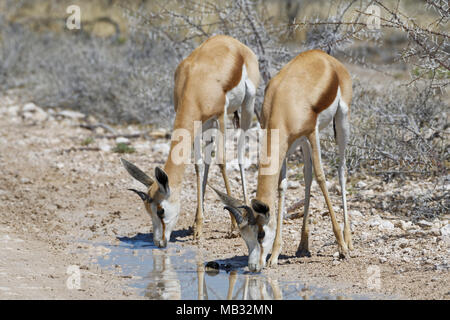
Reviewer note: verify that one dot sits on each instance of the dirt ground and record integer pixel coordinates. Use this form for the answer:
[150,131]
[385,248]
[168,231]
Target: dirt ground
[60,195]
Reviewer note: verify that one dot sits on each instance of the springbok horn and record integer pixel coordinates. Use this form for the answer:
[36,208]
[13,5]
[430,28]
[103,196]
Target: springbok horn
[226,199]
[142,195]
[236,213]
[250,215]
[137,173]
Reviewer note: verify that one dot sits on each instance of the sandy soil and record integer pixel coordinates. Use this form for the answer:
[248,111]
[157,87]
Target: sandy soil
[58,201]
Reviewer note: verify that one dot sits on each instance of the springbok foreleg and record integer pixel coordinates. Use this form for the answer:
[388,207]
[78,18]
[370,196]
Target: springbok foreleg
[282,184]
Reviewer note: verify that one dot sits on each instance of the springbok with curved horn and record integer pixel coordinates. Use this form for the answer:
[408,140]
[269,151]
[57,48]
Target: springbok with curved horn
[310,91]
[216,79]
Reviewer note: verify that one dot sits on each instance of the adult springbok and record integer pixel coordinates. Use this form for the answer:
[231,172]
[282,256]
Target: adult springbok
[216,79]
[310,91]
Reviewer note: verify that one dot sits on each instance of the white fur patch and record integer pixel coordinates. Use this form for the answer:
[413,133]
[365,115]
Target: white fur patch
[236,96]
[327,115]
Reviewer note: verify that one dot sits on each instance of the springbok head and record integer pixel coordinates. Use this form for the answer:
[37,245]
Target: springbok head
[253,223]
[163,209]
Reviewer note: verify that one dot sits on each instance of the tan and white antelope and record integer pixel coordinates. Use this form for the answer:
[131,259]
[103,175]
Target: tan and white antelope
[304,97]
[216,79]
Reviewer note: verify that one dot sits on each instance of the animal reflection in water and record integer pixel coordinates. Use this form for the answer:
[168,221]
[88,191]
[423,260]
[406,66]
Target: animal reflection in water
[248,288]
[165,285]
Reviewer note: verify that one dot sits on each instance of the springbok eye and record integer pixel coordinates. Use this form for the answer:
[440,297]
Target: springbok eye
[160,213]
[261,235]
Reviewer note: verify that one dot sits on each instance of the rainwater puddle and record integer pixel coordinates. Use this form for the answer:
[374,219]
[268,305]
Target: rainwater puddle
[180,273]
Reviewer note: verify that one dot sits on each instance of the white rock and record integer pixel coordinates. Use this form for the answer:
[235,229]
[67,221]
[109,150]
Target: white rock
[293,184]
[361,184]
[425,224]
[374,222]
[383,259]
[163,148]
[355,213]
[122,140]
[25,180]
[104,147]
[445,231]
[71,114]
[386,225]
[13,110]
[33,112]
[29,107]
[142,146]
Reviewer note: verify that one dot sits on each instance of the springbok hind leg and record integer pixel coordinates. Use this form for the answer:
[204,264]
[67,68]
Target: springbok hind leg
[320,176]
[303,248]
[221,159]
[342,134]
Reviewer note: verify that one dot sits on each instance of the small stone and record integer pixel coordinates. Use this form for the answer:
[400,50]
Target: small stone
[33,112]
[163,148]
[122,140]
[445,231]
[71,114]
[374,222]
[383,259]
[293,184]
[355,213]
[104,147]
[13,110]
[425,224]
[29,107]
[386,225]
[25,180]
[361,185]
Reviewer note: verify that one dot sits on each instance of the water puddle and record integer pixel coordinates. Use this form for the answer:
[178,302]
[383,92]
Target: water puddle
[180,273]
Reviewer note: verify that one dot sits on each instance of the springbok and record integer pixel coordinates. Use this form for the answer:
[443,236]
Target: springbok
[216,79]
[310,91]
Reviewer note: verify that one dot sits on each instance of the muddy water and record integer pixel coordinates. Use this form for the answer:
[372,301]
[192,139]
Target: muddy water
[180,273]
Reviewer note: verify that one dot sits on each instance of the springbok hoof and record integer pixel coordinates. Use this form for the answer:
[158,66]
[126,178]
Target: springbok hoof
[303,253]
[273,261]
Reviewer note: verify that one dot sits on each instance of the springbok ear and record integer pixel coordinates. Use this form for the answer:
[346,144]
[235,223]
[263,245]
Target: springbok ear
[249,214]
[260,206]
[262,210]
[145,197]
[163,181]
[137,173]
